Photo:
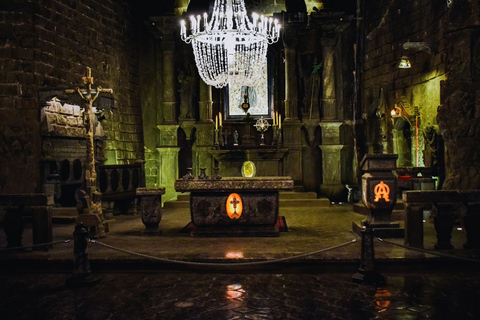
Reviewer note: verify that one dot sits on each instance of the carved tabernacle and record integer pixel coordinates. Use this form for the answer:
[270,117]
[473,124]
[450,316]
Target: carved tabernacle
[235,206]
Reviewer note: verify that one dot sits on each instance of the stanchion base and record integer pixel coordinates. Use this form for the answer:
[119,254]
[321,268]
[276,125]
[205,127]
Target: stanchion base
[81,281]
[369,278]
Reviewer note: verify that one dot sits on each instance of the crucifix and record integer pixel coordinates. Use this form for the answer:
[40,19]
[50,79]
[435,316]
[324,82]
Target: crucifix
[234,202]
[92,215]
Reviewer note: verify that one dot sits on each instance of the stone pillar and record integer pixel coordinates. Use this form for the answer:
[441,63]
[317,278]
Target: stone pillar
[169,102]
[291,90]
[167,150]
[333,144]
[291,126]
[204,134]
[205,103]
[168,160]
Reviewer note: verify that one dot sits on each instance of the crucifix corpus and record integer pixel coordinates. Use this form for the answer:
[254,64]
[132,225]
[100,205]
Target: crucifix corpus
[90,213]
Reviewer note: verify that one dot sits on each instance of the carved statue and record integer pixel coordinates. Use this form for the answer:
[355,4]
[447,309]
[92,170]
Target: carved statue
[433,153]
[312,91]
[375,119]
[186,79]
[430,152]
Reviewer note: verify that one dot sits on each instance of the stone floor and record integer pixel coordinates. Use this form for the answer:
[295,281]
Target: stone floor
[158,295]
[240,278]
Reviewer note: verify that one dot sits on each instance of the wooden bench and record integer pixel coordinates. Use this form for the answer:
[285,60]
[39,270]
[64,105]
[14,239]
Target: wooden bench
[18,206]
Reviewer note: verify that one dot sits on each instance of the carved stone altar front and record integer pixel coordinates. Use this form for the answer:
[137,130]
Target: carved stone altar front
[235,206]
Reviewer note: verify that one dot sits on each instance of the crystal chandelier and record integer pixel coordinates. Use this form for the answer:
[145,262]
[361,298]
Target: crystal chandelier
[230,48]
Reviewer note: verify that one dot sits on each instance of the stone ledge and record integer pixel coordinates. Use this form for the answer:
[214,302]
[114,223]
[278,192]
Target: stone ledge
[26,199]
[423,196]
[235,183]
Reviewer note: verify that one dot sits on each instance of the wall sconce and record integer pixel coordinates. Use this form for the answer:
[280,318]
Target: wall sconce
[404,63]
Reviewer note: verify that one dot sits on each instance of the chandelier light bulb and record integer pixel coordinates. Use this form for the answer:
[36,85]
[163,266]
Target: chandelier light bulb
[230,48]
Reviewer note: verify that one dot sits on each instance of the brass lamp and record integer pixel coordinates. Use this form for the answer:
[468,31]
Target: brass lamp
[404,63]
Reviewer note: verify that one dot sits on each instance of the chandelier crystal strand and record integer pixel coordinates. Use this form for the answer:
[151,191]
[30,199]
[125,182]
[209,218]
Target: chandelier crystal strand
[230,48]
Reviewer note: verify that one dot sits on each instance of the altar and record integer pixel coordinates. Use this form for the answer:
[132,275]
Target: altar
[235,206]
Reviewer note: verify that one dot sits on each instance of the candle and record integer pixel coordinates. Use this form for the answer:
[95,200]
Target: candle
[216,122]
[220,118]
[279,121]
[276,118]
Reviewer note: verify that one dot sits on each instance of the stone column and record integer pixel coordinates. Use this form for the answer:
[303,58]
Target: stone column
[204,134]
[291,90]
[167,150]
[333,144]
[169,102]
[205,103]
[291,126]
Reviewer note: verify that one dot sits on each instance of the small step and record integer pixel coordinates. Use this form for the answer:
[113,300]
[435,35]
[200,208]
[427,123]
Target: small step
[64,214]
[323,202]
[289,195]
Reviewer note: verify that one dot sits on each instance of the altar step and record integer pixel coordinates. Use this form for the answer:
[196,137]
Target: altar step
[287,199]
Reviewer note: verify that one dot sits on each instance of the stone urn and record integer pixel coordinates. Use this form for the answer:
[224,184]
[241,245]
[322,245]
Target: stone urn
[151,209]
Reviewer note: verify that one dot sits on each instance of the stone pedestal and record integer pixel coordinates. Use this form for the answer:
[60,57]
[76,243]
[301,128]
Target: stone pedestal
[379,186]
[151,206]
[235,206]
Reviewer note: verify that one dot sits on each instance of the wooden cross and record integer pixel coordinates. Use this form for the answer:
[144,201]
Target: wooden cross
[89,96]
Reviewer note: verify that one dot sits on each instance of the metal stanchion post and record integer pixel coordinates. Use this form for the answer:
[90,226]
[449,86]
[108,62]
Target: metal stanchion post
[81,271]
[367,273]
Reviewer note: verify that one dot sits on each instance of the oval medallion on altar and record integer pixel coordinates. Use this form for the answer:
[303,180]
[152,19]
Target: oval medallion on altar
[248,169]
[234,206]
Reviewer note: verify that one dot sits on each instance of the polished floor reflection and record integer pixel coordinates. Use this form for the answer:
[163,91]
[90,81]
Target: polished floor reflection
[137,295]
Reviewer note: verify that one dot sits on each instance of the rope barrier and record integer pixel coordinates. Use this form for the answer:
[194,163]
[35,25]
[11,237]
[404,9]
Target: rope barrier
[427,251]
[232,264]
[36,245]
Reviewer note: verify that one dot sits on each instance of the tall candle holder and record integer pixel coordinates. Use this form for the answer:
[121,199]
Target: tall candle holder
[216,139]
[262,126]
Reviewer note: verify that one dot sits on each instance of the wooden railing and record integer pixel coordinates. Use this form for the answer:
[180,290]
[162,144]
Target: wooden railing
[445,204]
